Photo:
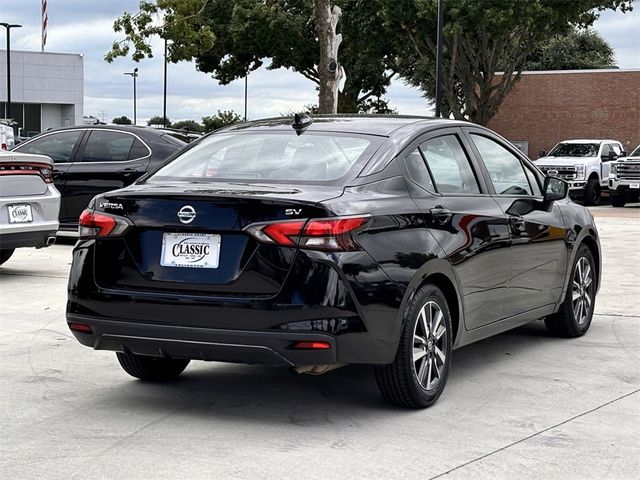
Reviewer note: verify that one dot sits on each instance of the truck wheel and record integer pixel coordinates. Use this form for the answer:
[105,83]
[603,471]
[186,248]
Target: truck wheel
[6,254]
[617,199]
[592,192]
[418,374]
[154,369]
[574,316]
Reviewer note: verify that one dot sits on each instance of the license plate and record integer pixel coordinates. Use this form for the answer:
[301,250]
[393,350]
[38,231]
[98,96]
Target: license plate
[191,250]
[634,185]
[20,214]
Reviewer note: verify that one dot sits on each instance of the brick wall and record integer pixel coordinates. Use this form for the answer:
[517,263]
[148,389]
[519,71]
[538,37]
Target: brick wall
[545,108]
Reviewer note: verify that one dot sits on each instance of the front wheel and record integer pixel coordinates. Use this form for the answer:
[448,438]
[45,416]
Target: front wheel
[592,192]
[574,316]
[6,254]
[151,368]
[419,372]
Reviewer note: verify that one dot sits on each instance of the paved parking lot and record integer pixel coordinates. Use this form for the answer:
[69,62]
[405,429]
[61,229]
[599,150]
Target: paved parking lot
[522,404]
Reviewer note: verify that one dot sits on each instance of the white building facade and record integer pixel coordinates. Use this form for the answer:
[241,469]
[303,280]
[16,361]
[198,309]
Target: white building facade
[47,89]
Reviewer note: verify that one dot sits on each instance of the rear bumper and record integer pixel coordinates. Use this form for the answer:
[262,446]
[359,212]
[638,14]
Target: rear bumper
[36,238]
[44,209]
[237,346]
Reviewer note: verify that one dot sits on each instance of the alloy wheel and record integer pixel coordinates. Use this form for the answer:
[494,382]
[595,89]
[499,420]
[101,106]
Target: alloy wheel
[429,345]
[582,295]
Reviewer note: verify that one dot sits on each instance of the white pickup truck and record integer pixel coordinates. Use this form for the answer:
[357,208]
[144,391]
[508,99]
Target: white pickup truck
[624,179]
[585,164]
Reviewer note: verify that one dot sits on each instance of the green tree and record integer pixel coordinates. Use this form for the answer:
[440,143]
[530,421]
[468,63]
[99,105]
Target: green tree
[481,38]
[221,119]
[190,125]
[158,120]
[579,49]
[123,120]
[230,38]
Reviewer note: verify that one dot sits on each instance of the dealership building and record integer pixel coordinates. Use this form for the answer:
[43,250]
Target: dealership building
[46,89]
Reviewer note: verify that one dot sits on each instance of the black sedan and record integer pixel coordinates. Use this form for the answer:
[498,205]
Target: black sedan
[349,240]
[89,160]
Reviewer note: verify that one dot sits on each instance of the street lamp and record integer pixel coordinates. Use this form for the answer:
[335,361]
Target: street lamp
[9,26]
[134,74]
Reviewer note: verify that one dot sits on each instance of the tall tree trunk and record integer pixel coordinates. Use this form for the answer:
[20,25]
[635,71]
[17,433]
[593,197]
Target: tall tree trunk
[329,69]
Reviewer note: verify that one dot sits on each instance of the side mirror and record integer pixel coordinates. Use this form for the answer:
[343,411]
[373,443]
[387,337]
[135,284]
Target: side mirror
[555,189]
[610,157]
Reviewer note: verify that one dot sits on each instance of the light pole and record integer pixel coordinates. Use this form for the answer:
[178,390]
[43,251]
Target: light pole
[134,75]
[9,26]
[439,58]
[164,96]
[246,77]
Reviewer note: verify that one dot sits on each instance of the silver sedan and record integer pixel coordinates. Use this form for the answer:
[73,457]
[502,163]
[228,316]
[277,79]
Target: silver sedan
[29,203]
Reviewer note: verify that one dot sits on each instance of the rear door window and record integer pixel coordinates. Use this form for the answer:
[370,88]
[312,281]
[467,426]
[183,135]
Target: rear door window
[418,170]
[59,146]
[449,165]
[108,146]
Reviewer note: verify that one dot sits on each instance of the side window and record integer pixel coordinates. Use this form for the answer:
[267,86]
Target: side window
[617,148]
[108,146]
[605,150]
[138,150]
[505,169]
[418,170]
[449,165]
[533,182]
[58,146]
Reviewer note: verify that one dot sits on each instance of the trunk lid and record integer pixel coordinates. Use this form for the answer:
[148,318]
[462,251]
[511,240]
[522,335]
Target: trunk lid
[24,174]
[165,214]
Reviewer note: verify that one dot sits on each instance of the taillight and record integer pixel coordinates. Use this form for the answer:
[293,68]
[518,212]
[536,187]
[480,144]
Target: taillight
[31,168]
[329,234]
[93,224]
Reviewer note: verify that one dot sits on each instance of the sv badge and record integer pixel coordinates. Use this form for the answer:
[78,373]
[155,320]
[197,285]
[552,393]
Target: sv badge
[293,211]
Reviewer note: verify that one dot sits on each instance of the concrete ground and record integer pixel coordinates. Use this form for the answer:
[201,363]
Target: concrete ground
[520,405]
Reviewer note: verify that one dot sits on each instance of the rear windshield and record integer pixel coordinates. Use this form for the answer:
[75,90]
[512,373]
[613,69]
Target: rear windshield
[276,156]
[575,150]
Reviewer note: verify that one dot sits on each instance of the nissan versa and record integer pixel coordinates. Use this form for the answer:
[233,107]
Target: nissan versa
[387,241]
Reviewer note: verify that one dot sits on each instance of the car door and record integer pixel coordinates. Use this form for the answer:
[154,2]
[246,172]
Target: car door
[610,152]
[62,147]
[106,160]
[464,219]
[536,230]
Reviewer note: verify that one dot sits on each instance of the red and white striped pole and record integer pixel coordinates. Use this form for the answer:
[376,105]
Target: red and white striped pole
[45,20]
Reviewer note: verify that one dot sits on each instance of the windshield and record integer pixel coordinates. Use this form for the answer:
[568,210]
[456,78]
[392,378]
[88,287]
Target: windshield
[278,156]
[575,150]
[636,152]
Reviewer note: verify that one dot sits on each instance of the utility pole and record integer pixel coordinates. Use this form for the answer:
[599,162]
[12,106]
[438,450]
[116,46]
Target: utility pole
[439,59]
[134,75]
[7,107]
[164,97]
[245,96]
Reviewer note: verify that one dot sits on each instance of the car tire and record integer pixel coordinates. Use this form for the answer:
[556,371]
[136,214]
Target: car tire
[617,200]
[6,254]
[573,319]
[154,369]
[591,194]
[424,352]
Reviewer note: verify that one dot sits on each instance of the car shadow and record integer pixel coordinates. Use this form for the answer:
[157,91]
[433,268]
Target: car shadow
[266,395]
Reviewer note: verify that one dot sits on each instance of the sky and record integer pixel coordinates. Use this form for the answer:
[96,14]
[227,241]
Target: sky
[86,27]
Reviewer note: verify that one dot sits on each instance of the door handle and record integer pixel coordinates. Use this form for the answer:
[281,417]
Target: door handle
[441,214]
[517,223]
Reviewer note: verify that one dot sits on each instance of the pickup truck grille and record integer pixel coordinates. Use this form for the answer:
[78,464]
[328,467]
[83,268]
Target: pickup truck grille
[629,170]
[565,173]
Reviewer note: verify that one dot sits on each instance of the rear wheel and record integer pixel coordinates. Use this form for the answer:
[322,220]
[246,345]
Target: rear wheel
[575,314]
[592,192]
[6,254]
[151,368]
[419,373]
[617,199]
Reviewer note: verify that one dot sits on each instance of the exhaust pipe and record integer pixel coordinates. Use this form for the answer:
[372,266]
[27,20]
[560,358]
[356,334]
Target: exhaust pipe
[316,369]
[51,240]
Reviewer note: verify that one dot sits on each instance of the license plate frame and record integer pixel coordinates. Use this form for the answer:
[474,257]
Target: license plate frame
[187,250]
[15,213]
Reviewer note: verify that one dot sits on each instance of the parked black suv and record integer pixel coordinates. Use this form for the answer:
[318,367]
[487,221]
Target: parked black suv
[385,241]
[89,160]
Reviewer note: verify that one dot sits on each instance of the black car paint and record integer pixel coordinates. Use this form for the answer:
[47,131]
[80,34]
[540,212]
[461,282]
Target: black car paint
[79,181]
[253,310]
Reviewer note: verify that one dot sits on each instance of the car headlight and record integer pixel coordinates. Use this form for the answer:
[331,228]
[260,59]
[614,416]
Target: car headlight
[580,169]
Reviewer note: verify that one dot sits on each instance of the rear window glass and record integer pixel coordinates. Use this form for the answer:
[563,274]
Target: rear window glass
[314,157]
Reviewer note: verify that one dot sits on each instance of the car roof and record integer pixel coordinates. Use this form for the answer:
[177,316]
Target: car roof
[139,130]
[382,125]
